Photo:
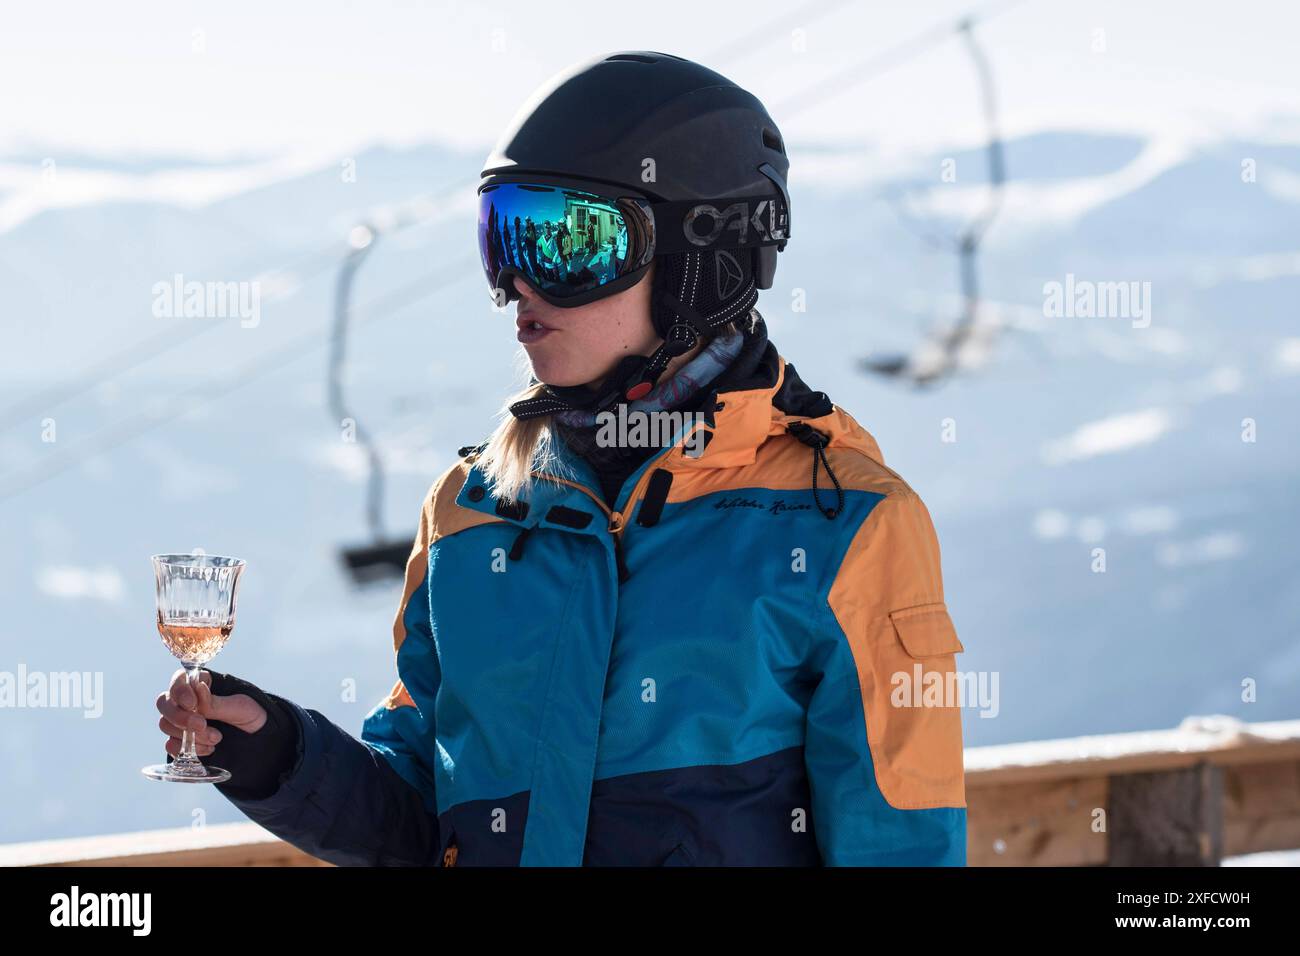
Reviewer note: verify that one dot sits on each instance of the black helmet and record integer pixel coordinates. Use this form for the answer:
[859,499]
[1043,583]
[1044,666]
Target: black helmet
[711,166]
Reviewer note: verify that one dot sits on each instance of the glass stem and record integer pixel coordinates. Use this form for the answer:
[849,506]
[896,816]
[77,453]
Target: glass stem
[187,754]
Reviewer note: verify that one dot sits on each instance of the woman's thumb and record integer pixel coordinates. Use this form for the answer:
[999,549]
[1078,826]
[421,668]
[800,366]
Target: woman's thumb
[238,710]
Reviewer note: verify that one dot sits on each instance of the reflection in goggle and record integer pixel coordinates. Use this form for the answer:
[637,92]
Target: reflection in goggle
[567,242]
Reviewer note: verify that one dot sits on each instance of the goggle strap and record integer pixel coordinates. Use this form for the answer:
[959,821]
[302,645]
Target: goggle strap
[631,385]
[687,312]
[630,371]
[747,222]
[537,407]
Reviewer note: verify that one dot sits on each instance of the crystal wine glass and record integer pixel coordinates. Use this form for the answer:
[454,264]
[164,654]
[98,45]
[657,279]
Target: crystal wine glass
[196,613]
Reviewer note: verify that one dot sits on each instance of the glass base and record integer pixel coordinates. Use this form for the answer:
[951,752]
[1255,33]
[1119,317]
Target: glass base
[182,774]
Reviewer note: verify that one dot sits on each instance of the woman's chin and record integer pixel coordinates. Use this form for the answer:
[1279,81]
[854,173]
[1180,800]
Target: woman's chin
[550,372]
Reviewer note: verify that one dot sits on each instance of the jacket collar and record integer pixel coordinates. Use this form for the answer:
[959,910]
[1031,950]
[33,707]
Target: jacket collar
[750,402]
[748,409]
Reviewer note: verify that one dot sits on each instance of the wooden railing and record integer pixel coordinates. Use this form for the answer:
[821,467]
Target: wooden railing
[1212,788]
[1209,789]
[218,844]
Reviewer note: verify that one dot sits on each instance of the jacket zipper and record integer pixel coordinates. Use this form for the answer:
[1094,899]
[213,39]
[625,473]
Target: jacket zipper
[616,521]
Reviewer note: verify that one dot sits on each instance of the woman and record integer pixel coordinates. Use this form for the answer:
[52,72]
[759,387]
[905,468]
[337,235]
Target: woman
[670,610]
[548,249]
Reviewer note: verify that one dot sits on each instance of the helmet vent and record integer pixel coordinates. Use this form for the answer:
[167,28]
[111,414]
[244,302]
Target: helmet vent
[772,140]
[634,57]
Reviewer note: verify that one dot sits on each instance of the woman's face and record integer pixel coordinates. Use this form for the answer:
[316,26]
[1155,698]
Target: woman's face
[582,345]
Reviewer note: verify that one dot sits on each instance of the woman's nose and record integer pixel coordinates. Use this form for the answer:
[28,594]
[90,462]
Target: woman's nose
[526,295]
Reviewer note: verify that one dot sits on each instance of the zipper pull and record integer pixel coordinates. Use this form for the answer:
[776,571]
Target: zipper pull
[656,495]
[517,549]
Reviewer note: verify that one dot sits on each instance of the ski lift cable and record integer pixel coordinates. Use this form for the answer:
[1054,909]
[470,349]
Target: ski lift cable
[741,46]
[876,65]
[135,355]
[146,349]
[203,393]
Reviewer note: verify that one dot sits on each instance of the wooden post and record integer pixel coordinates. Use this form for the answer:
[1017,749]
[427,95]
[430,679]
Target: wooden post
[1167,818]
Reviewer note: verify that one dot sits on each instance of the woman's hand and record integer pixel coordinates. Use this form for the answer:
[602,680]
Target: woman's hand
[190,707]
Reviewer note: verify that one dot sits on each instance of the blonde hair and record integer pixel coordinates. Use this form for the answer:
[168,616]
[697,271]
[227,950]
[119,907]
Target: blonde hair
[519,447]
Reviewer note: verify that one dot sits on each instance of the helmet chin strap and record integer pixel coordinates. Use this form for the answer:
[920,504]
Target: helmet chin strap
[632,378]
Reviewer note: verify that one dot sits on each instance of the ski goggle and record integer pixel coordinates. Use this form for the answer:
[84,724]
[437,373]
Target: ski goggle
[576,242]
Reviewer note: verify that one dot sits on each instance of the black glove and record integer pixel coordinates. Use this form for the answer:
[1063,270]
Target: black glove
[258,762]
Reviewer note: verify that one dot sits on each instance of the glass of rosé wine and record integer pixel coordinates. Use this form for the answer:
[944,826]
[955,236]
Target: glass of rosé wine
[196,613]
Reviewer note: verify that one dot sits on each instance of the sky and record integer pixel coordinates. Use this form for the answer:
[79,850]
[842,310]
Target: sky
[315,81]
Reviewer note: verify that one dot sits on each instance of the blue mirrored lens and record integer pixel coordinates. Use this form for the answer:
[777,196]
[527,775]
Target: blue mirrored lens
[564,241]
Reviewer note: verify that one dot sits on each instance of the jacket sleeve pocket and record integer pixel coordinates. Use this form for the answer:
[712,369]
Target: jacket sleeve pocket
[914,712]
[926,630]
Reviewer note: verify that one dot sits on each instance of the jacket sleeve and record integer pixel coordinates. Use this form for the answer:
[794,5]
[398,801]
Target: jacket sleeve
[883,746]
[369,802]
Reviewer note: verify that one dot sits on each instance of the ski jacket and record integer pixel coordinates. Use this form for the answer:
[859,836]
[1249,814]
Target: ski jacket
[725,668]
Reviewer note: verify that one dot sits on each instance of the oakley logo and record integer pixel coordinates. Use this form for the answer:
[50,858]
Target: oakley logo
[736,216]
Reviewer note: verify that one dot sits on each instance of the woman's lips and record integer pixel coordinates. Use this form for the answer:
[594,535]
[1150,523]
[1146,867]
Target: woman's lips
[530,330]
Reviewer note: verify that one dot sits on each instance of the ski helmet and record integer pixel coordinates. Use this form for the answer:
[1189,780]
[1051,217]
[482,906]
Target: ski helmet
[624,160]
